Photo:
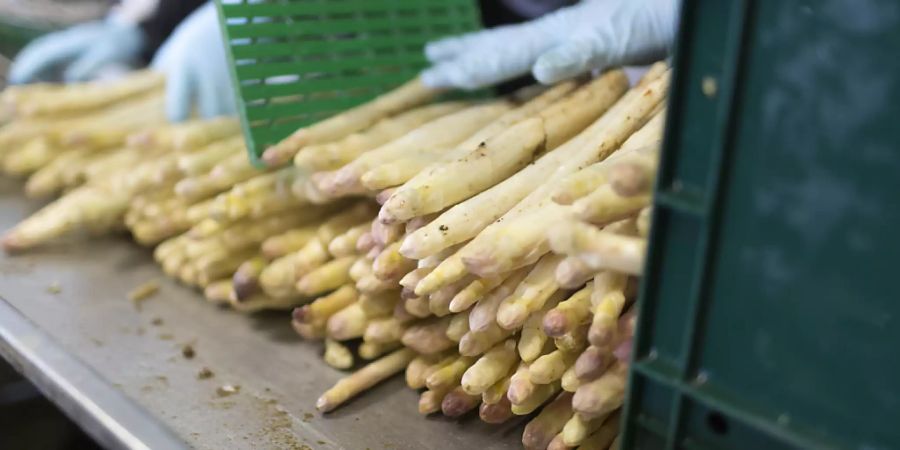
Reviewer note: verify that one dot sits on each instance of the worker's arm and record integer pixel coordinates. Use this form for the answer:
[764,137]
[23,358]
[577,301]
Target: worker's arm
[594,34]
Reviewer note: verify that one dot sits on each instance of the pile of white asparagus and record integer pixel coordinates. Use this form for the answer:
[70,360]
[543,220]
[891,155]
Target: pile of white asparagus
[109,151]
[489,249]
[500,269]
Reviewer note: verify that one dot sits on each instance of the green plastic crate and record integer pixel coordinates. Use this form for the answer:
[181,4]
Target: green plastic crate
[770,309]
[298,61]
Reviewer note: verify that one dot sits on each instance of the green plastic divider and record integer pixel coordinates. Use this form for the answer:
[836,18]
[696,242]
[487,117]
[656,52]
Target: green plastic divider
[298,61]
[770,308]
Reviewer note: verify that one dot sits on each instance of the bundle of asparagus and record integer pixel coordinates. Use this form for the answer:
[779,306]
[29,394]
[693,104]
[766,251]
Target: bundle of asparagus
[481,275]
[268,240]
[107,146]
[71,127]
[174,202]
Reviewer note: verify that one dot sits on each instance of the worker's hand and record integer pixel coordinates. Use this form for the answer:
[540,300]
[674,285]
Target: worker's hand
[79,52]
[594,34]
[196,68]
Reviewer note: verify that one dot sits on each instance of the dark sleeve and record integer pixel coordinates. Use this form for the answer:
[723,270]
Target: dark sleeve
[504,12]
[160,24]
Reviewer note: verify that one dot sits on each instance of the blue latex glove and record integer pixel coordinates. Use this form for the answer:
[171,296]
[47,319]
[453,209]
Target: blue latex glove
[594,34]
[196,67]
[79,52]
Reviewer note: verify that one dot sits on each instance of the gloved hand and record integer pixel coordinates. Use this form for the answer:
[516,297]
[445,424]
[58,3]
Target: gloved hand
[594,34]
[196,68]
[80,52]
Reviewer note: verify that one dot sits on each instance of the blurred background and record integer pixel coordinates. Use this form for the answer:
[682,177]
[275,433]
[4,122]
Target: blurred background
[22,20]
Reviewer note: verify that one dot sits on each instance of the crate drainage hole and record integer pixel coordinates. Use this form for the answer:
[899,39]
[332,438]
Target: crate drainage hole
[717,422]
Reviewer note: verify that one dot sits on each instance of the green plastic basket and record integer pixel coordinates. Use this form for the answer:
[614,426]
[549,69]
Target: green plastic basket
[770,308]
[298,61]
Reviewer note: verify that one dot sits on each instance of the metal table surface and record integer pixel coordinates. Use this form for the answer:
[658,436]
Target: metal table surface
[118,370]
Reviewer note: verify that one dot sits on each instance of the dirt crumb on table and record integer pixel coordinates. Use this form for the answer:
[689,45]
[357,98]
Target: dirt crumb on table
[187,350]
[143,292]
[227,389]
[54,288]
[157,321]
[205,373]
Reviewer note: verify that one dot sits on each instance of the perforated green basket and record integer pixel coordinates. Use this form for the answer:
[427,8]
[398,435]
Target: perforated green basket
[295,62]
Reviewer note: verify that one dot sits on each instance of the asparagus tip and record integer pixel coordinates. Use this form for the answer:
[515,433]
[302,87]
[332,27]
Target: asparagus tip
[299,314]
[496,413]
[324,405]
[365,242]
[511,316]
[429,403]
[628,179]
[591,363]
[13,243]
[409,249]
[459,304]
[563,198]
[623,351]
[384,215]
[555,323]
[274,156]
[244,288]
[519,390]
[600,336]
[456,404]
